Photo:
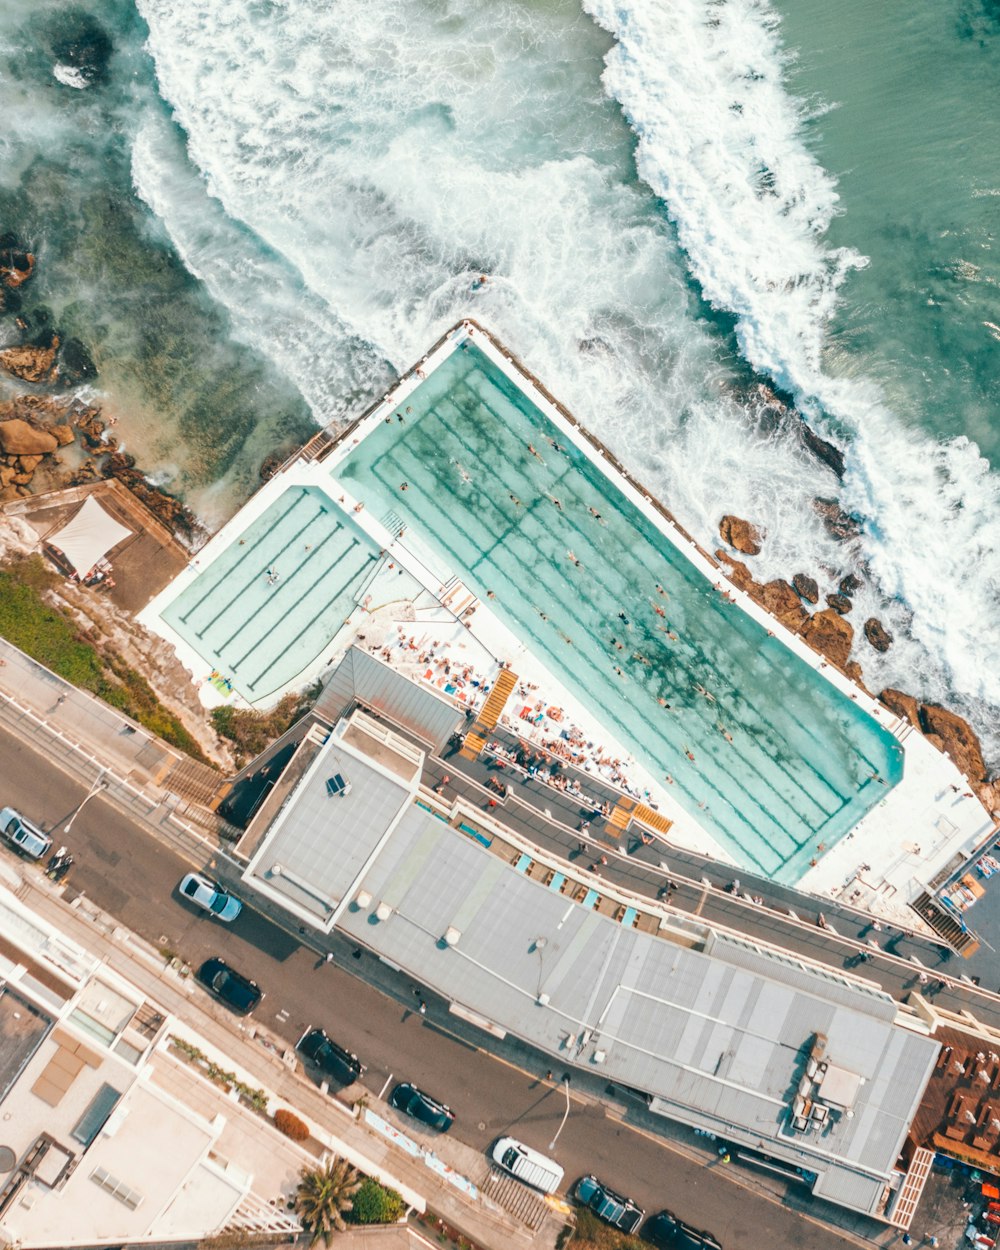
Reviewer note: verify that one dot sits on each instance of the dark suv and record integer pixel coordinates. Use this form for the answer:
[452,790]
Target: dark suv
[422,1107]
[238,992]
[670,1233]
[340,1065]
[615,1210]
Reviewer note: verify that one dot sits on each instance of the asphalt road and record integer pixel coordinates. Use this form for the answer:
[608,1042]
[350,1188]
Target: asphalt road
[134,877]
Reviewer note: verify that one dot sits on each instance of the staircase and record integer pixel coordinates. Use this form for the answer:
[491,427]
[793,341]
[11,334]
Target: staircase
[621,815]
[486,722]
[516,1199]
[945,925]
[651,819]
[496,701]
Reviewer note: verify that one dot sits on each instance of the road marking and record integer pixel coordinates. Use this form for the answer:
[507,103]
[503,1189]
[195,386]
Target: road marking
[381,1093]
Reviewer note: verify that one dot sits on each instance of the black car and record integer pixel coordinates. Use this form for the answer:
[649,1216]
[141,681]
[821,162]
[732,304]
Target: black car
[333,1061]
[670,1233]
[422,1107]
[229,987]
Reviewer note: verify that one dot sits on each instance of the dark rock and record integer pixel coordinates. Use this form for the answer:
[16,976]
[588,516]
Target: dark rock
[782,602]
[271,464]
[18,438]
[81,42]
[838,523]
[877,635]
[806,587]
[75,363]
[849,584]
[840,603]
[825,452]
[828,633]
[30,364]
[901,704]
[742,535]
[955,736]
[17,263]
[739,574]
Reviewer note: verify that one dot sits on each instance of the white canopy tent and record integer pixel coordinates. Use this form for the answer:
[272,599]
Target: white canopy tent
[91,534]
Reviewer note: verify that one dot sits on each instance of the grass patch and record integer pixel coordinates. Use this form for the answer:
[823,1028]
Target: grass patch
[252,732]
[594,1233]
[50,635]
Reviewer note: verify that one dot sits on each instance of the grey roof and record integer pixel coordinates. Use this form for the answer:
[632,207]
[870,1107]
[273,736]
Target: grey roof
[361,678]
[321,841]
[720,1038]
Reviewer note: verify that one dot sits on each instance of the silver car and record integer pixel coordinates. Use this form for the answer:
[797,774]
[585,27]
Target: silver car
[22,835]
[210,896]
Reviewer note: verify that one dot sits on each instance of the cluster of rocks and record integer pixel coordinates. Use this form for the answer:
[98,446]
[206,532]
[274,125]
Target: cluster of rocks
[830,633]
[827,630]
[33,427]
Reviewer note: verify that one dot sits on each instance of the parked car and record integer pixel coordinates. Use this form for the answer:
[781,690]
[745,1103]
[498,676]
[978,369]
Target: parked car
[527,1164]
[342,1066]
[609,1206]
[422,1107]
[210,896]
[229,986]
[22,835]
[669,1232]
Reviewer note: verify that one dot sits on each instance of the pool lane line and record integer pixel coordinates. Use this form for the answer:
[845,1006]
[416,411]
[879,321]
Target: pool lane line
[358,575]
[243,588]
[246,555]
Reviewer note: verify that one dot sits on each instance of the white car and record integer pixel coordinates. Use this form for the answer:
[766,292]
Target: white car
[210,896]
[22,835]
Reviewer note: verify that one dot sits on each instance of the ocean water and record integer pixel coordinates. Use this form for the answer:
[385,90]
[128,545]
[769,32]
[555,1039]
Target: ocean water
[665,197]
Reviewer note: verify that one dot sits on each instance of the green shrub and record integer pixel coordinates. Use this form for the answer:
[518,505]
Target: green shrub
[376,1204]
[288,1122]
[252,731]
[50,635]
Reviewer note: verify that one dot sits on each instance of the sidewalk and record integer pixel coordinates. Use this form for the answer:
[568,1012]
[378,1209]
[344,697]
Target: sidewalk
[487,1225]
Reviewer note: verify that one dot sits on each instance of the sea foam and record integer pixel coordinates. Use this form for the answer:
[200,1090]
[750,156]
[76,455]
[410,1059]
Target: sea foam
[354,170]
[721,141]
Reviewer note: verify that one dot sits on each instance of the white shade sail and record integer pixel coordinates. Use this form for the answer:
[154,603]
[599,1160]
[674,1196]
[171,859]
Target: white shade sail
[91,534]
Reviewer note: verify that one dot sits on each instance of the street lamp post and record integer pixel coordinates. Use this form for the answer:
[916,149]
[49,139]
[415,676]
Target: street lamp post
[99,784]
[562,1125]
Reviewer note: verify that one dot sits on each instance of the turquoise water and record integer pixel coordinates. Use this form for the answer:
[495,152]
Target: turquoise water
[267,607]
[913,138]
[798,771]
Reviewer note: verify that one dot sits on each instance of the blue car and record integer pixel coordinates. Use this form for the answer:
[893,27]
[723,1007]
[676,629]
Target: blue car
[612,1208]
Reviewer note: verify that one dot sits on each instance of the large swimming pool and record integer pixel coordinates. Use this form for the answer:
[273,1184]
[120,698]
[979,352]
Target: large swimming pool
[783,763]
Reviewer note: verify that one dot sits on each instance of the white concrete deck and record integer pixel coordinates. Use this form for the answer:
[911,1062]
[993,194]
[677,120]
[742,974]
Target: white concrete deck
[889,857]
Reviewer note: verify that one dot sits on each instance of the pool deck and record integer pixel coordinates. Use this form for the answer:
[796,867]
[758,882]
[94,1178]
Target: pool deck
[902,844]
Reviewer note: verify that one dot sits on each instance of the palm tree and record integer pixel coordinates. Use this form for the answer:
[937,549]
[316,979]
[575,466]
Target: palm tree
[323,1194]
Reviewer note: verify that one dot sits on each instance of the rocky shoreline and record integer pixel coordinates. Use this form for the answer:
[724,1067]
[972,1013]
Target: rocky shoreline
[45,420]
[829,632]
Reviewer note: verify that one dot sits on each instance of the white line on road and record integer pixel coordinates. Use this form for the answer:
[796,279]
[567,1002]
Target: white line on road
[381,1092]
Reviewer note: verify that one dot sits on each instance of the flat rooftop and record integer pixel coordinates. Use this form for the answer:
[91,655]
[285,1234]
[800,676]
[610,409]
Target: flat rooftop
[718,1030]
[360,783]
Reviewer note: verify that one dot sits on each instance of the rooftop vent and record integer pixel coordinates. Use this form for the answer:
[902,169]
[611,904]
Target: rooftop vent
[363,899]
[383,911]
[451,935]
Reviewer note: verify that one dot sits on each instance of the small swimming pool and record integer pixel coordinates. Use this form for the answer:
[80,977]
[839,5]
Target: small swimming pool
[761,749]
[262,612]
